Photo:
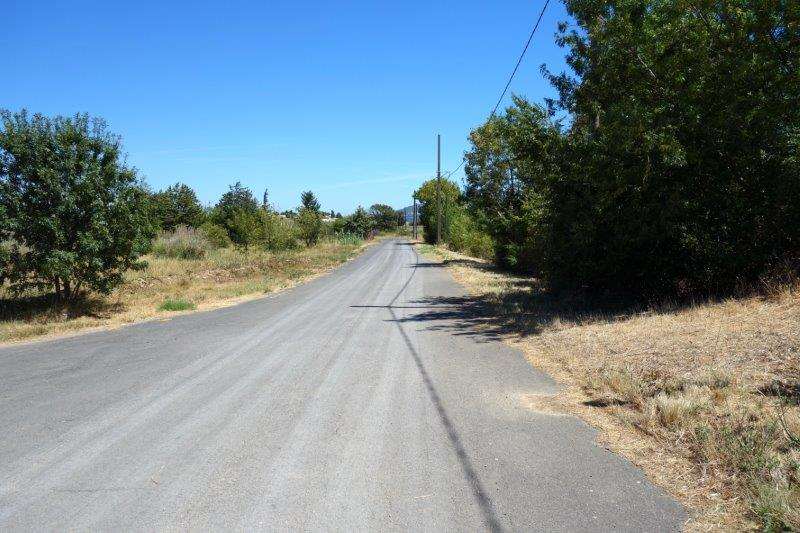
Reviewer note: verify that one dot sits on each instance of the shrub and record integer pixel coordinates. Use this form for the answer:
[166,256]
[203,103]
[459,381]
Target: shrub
[182,243]
[215,234]
[464,235]
[279,232]
[176,304]
[359,223]
[349,238]
[309,224]
[237,212]
[245,228]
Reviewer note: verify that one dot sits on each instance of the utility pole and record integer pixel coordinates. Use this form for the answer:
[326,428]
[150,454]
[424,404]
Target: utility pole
[438,189]
[415,218]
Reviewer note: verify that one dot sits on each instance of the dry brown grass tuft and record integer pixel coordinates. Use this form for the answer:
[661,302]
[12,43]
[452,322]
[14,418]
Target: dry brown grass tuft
[220,277]
[703,397]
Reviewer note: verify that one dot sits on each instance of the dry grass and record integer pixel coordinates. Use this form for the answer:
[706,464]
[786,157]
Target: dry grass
[221,277]
[704,398]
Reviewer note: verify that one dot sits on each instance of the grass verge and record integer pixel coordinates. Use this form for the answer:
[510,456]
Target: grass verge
[704,398]
[220,277]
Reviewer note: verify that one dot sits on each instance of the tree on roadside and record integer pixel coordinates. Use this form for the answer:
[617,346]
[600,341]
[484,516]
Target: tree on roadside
[177,205]
[427,196]
[384,216]
[245,228]
[237,212]
[76,216]
[359,223]
[309,222]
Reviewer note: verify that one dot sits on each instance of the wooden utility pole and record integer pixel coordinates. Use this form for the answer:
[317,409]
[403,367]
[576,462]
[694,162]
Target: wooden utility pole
[415,218]
[438,189]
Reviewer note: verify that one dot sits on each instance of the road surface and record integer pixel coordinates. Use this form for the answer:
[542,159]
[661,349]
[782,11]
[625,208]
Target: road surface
[359,401]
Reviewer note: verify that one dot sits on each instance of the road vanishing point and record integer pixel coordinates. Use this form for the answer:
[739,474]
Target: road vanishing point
[364,400]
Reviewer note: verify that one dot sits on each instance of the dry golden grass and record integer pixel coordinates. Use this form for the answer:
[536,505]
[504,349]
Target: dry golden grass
[704,398]
[223,277]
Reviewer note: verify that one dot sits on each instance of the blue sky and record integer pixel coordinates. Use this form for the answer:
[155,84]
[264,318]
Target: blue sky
[343,98]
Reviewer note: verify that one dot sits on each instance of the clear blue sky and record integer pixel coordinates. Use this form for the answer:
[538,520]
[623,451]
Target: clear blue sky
[343,98]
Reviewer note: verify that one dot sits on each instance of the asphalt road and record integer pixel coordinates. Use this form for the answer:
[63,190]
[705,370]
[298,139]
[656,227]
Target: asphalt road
[359,401]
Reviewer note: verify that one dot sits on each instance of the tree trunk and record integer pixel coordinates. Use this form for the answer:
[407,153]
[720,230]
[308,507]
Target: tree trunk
[59,291]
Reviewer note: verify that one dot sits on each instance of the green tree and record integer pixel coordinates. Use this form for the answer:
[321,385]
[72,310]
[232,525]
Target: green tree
[279,232]
[76,215]
[245,228]
[683,177]
[309,201]
[237,212]
[384,216]
[359,223]
[237,198]
[427,196]
[688,169]
[309,222]
[514,160]
[176,206]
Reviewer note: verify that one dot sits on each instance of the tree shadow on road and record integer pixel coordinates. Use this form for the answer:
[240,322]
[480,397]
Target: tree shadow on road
[46,307]
[523,307]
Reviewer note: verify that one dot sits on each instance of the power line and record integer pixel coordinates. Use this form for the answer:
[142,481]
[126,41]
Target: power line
[519,61]
[510,78]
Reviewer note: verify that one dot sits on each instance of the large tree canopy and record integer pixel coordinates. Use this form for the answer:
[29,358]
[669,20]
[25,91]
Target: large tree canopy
[74,215]
[679,169]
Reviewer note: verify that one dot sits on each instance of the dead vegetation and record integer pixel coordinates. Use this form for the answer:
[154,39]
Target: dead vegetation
[219,277]
[704,397]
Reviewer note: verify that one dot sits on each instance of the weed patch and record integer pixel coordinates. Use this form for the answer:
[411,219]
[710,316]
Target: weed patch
[177,304]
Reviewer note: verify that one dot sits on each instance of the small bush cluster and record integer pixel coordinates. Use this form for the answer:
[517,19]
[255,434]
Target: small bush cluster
[215,234]
[348,238]
[176,304]
[279,233]
[182,243]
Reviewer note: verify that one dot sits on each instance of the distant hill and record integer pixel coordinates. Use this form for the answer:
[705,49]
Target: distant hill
[408,212]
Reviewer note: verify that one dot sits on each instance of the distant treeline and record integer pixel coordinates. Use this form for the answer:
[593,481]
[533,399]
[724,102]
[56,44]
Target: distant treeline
[669,163]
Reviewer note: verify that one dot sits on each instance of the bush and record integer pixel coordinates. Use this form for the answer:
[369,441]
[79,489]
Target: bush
[464,235]
[359,223]
[176,304]
[182,243]
[349,238]
[309,223]
[279,233]
[215,234]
